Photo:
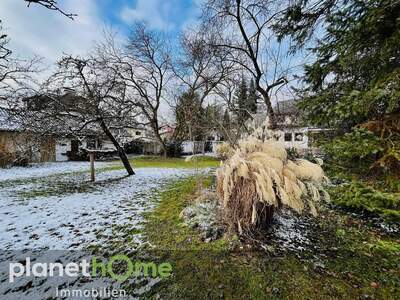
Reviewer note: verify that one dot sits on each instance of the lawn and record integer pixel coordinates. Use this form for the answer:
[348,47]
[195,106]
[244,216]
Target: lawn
[346,256]
[162,162]
[347,260]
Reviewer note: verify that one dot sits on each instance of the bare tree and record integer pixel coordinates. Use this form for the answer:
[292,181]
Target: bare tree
[226,96]
[84,95]
[144,65]
[4,51]
[16,75]
[200,67]
[242,28]
[52,5]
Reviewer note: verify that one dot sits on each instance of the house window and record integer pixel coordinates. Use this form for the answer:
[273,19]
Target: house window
[138,133]
[288,137]
[298,136]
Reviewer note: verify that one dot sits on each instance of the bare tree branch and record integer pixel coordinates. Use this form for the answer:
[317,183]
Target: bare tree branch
[52,5]
[243,29]
[144,66]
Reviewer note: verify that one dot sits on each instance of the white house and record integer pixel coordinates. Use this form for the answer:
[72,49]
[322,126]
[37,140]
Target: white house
[290,129]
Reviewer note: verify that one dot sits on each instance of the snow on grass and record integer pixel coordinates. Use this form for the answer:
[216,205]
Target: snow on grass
[46,169]
[55,207]
[290,231]
[69,212]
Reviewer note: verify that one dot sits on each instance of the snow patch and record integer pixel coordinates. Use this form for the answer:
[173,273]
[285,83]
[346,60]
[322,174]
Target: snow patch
[72,213]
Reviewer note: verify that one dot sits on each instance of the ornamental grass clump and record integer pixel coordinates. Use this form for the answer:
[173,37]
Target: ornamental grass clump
[224,150]
[258,179]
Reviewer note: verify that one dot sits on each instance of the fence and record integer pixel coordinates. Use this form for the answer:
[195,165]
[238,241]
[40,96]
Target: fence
[196,147]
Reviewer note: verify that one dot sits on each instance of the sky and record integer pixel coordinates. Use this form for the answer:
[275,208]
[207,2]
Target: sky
[48,34]
[38,31]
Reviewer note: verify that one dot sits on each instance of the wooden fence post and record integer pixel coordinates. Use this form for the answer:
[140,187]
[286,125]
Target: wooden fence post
[92,173]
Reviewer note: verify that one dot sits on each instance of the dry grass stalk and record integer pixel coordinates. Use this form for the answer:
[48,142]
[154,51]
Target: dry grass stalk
[224,150]
[258,179]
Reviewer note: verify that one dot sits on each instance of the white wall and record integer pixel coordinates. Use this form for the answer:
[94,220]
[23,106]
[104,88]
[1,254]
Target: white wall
[187,147]
[106,144]
[62,146]
[294,143]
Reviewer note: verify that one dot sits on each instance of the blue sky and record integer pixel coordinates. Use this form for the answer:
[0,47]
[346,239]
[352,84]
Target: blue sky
[170,16]
[38,31]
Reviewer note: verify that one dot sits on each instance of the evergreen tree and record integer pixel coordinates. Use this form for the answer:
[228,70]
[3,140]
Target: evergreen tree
[188,115]
[252,97]
[241,102]
[355,80]
[355,77]
[226,122]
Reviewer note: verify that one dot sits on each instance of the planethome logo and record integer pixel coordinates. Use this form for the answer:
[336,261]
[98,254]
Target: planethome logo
[93,267]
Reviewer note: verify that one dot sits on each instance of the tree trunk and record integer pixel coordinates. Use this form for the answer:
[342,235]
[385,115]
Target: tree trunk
[121,151]
[270,110]
[154,125]
[164,148]
[162,143]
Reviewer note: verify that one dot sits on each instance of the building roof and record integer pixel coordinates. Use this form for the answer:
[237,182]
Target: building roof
[13,121]
[7,121]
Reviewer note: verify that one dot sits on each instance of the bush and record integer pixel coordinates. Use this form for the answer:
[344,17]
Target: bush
[20,161]
[293,153]
[360,197]
[134,147]
[174,149]
[357,147]
[80,156]
[364,151]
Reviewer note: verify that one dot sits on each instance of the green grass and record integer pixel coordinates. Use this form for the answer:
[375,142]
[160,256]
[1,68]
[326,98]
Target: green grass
[60,184]
[165,219]
[162,162]
[357,262]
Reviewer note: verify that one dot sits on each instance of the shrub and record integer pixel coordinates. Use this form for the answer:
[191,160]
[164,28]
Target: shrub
[20,160]
[365,150]
[174,149]
[81,155]
[357,147]
[360,197]
[134,147]
[293,153]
